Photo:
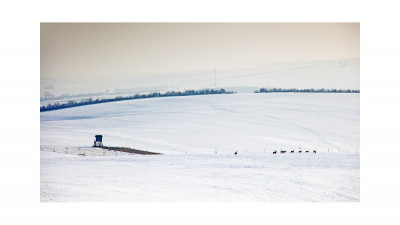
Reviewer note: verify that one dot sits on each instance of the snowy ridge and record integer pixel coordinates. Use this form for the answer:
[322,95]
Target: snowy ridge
[82,151]
[205,124]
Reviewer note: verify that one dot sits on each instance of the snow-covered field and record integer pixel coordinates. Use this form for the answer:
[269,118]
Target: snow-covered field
[198,136]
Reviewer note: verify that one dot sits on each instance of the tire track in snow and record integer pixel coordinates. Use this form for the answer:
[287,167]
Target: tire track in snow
[315,133]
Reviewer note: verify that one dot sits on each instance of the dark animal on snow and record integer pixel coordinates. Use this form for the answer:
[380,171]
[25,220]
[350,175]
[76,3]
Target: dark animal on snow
[274,152]
[292,151]
[300,151]
[236,153]
[307,151]
[315,151]
[283,151]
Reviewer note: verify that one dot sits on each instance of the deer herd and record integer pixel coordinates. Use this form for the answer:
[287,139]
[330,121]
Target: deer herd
[300,151]
[284,151]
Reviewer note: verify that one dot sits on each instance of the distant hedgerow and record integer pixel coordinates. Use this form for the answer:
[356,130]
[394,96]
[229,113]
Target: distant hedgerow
[90,101]
[322,90]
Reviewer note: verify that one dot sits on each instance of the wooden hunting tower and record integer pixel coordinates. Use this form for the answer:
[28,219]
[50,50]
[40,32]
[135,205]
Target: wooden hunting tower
[98,142]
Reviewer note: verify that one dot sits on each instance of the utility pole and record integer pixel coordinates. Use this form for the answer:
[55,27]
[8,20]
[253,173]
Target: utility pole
[215,78]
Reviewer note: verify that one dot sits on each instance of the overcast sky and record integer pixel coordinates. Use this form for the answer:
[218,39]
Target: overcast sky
[110,50]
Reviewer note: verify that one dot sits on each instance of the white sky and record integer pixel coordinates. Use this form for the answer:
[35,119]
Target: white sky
[88,50]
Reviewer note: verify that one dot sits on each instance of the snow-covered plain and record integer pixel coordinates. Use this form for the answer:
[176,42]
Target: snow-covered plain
[198,136]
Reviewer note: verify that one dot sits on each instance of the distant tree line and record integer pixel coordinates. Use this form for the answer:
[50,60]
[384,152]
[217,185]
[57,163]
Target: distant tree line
[50,96]
[322,90]
[90,101]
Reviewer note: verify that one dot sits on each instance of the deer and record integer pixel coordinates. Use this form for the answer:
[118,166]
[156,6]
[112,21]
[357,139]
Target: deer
[315,151]
[292,151]
[236,153]
[274,152]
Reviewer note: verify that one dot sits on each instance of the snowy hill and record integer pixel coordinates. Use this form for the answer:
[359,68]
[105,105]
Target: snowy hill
[203,124]
[198,136]
[328,74]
